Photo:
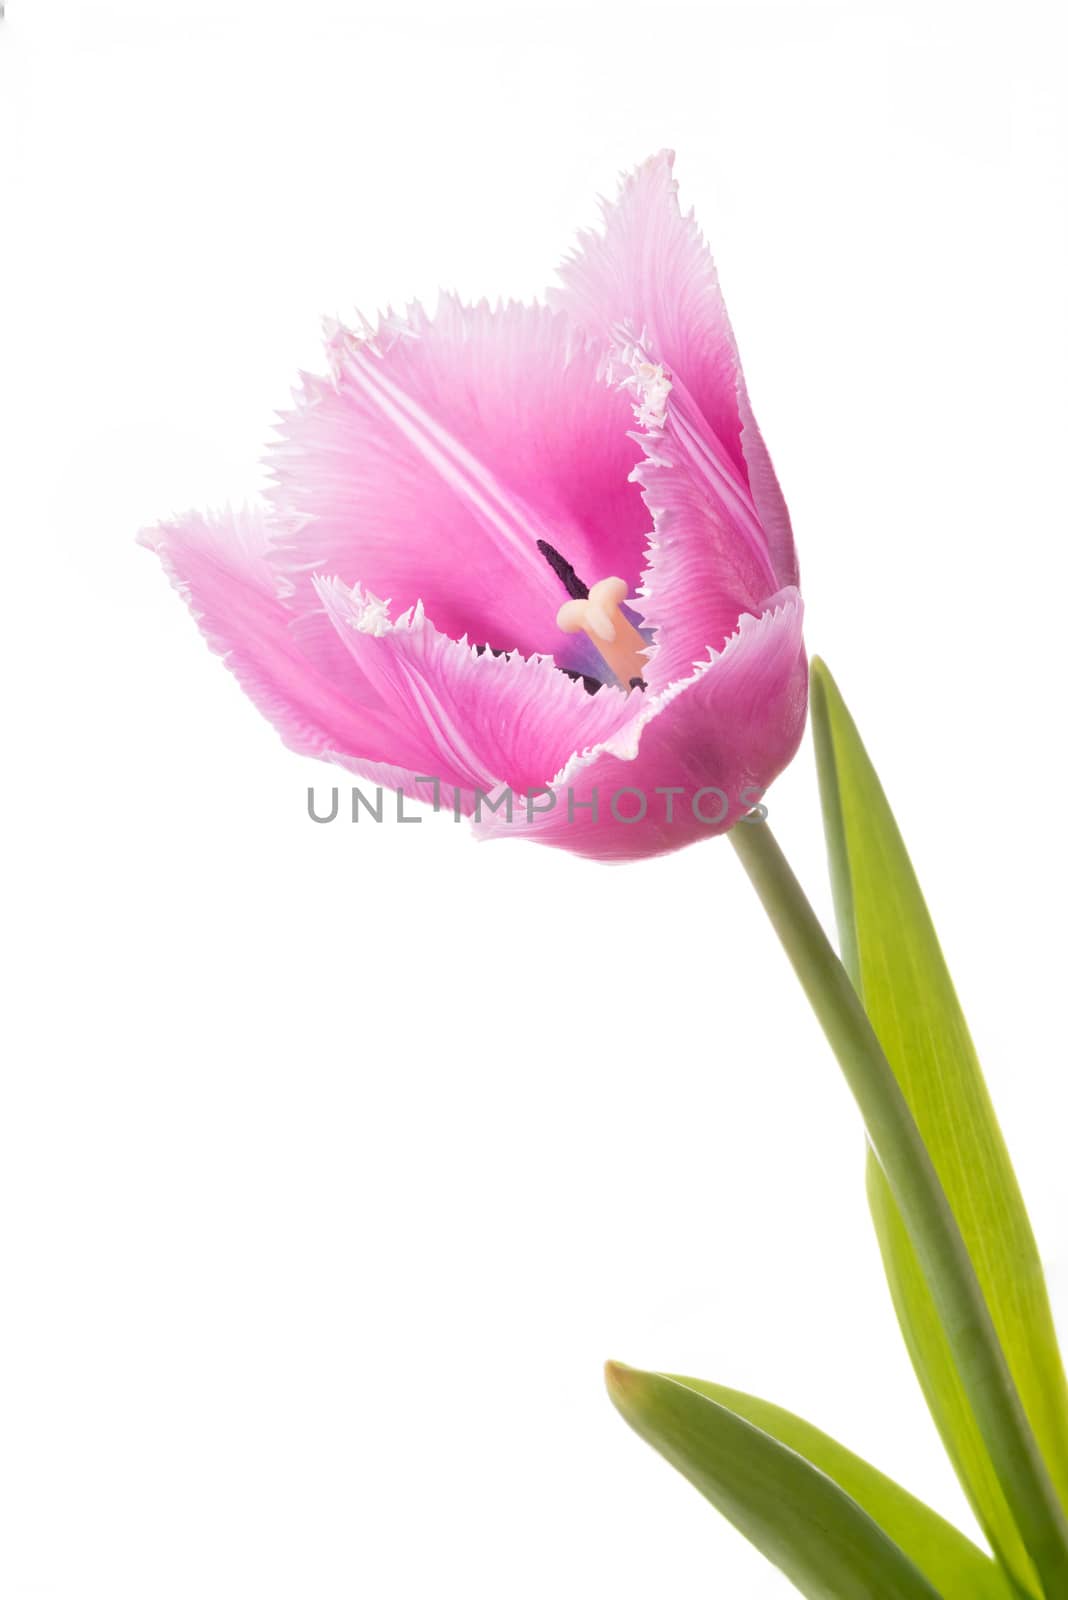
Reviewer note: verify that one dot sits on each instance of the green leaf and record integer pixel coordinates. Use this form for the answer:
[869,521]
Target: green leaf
[941,1384]
[892,953]
[955,1567]
[825,1543]
[925,1210]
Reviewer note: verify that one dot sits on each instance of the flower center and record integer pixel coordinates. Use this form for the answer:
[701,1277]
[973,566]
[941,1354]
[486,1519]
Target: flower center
[608,630]
[596,613]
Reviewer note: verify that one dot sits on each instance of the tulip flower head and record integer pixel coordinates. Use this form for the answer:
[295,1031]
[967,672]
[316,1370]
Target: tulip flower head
[528,550]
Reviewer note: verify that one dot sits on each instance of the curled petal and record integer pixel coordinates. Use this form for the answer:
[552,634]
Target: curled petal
[701,576]
[718,738]
[477,720]
[295,671]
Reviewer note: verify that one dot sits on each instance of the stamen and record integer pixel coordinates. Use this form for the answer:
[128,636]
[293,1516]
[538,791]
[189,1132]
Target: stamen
[598,616]
[591,685]
[596,613]
[564,571]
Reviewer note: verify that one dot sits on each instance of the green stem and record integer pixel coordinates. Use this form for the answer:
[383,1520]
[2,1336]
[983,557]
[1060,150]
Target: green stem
[903,1156]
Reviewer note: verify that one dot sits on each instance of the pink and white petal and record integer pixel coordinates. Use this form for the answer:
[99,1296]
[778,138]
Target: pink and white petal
[439,454]
[701,574]
[477,720]
[726,731]
[650,272]
[767,495]
[649,278]
[298,674]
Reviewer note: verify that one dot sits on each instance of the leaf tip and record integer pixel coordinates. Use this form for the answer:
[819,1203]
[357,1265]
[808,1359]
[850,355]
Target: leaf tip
[621,1380]
[820,674]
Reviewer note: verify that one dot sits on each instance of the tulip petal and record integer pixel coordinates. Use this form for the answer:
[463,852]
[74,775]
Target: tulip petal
[479,721]
[649,277]
[700,577]
[294,670]
[439,454]
[767,495]
[650,271]
[726,731]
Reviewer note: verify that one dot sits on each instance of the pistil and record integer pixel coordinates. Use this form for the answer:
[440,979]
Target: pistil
[616,639]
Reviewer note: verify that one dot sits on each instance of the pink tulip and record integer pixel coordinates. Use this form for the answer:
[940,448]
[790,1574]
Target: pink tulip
[523,549]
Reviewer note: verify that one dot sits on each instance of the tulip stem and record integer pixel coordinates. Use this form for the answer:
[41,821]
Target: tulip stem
[900,1150]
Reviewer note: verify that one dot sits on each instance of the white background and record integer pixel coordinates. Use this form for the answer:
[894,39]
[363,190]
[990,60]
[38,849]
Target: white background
[332,1161]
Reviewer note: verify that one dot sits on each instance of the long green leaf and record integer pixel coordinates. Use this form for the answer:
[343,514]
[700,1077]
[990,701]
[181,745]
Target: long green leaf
[956,1568]
[825,1543]
[933,1361]
[892,953]
[940,1249]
